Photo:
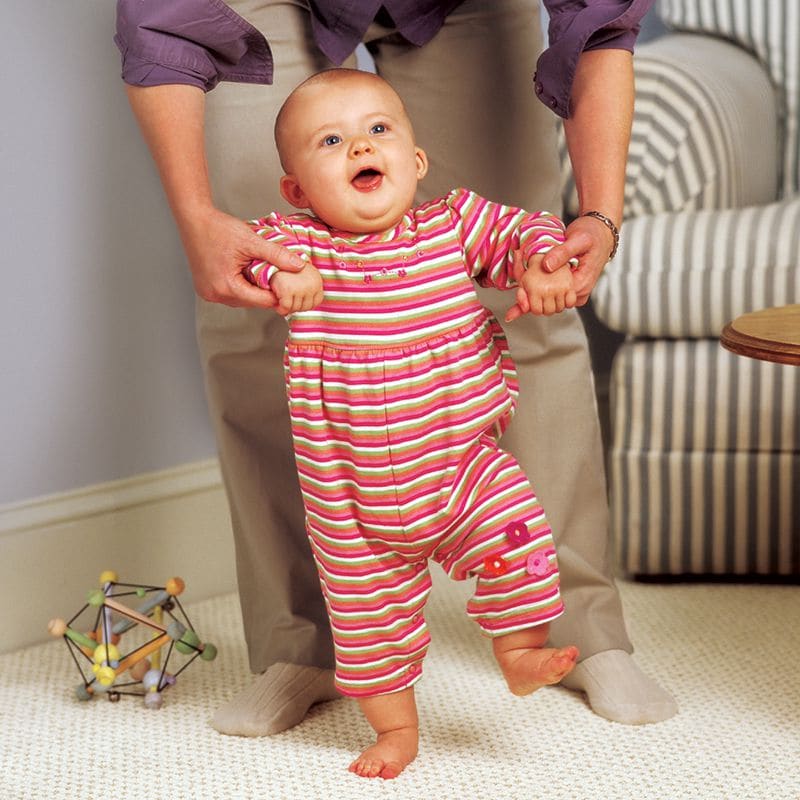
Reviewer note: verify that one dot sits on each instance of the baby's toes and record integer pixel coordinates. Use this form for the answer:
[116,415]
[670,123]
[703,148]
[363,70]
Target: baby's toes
[391,770]
[366,767]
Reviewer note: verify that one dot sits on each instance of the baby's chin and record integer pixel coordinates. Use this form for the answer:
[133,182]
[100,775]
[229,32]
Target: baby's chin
[362,225]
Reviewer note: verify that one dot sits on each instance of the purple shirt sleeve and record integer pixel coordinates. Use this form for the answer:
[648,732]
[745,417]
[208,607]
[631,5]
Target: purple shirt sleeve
[201,42]
[579,26]
[196,42]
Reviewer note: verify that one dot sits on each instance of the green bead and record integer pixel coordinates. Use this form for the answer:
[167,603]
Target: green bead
[188,642]
[209,652]
[96,598]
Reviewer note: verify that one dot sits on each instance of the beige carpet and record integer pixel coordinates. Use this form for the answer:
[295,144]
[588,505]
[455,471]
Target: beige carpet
[729,653]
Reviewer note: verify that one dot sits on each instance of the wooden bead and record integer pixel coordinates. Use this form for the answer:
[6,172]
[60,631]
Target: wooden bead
[175,586]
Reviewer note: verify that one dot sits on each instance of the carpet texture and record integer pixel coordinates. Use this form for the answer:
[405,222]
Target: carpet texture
[728,653]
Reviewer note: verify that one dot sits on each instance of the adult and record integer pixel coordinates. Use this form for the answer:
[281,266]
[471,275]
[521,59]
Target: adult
[464,71]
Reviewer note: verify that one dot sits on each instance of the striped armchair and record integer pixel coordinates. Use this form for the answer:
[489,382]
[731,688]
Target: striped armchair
[704,462]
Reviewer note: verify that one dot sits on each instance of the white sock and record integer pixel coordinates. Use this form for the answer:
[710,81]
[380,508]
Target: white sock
[276,700]
[618,690]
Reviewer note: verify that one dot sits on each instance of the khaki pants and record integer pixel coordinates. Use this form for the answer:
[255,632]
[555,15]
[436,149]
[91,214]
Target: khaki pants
[470,97]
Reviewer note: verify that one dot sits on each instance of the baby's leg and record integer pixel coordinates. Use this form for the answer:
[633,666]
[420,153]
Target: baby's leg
[394,718]
[527,665]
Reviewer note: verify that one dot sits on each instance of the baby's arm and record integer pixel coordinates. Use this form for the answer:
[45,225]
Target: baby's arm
[540,292]
[297,291]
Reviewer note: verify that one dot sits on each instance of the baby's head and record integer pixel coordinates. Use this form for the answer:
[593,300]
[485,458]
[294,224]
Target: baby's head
[347,147]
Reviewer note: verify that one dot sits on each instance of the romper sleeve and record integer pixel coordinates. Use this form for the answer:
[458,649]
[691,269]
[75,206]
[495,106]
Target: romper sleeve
[491,233]
[279,229]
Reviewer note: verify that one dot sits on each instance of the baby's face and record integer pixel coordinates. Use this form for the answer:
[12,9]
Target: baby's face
[351,156]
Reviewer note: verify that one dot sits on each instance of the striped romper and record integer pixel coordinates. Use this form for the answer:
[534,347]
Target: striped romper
[399,386]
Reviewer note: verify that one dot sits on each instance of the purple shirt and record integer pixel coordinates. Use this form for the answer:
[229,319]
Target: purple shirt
[202,42]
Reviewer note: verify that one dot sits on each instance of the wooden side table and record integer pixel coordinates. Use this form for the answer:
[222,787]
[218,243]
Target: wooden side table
[772,334]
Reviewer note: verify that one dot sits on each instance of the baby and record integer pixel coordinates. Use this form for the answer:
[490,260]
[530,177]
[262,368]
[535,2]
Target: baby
[399,385]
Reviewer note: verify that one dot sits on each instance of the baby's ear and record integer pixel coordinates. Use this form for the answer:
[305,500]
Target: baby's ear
[292,193]
[422,163]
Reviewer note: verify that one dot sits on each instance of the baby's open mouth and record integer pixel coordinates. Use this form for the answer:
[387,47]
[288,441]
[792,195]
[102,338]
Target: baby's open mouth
[367,180]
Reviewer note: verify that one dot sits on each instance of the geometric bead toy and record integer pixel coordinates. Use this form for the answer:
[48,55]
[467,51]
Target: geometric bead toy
[142,670]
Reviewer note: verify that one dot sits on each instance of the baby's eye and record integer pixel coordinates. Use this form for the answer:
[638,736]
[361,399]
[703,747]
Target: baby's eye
[379,127]
[334,138]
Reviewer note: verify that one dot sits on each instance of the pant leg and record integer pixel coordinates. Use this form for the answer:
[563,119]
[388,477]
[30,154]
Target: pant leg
[242,350]
[501,537]
[470,96]
[376,607]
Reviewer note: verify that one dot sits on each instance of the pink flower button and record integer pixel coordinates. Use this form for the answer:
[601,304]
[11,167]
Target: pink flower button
[537,564]
[518,533]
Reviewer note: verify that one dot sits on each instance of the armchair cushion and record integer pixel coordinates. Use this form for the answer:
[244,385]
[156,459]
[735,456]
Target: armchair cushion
[704,466]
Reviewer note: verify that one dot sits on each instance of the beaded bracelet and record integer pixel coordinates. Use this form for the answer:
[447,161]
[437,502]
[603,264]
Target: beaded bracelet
[610,225]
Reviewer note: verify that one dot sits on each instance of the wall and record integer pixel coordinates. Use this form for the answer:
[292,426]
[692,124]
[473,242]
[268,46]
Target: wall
[107,459]
[99,366]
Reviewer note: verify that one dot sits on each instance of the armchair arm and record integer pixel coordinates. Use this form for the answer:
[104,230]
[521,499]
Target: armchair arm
[686,274]
[704,129]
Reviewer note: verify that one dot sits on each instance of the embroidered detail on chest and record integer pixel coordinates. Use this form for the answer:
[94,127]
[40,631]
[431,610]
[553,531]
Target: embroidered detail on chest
[380,268]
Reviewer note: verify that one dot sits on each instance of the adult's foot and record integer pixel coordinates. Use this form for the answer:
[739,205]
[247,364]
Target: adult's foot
[618,690]
[276,700]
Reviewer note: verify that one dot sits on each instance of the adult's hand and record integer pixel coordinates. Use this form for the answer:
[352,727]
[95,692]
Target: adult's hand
[591,242]
[220,248]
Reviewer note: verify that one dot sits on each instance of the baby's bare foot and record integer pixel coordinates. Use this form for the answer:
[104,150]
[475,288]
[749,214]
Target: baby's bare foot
[538,667]
[389,756]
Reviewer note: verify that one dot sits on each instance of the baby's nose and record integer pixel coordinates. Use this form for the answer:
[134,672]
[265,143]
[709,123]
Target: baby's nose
[360,146]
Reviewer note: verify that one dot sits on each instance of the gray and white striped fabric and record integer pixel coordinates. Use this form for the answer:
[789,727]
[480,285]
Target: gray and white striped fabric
[705,454]
[705,464]
[703,109]
[704,132]
[687,274]
[771,30]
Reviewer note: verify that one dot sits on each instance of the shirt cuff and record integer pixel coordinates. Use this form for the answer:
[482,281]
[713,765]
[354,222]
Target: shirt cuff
[260,273]
[141,72]
[597,26]
[165,42]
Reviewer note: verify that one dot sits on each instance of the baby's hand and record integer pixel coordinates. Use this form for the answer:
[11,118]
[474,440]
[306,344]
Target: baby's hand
[297,291]
[540,292]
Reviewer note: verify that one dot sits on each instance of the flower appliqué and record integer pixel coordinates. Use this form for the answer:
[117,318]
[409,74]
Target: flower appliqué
[537,564]
[494,566]
[517,533]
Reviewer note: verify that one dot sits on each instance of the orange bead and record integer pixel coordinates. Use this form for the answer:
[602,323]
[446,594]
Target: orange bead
[138,670]
[175,586]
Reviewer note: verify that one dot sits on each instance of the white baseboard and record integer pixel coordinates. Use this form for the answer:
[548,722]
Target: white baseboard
[146,528]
